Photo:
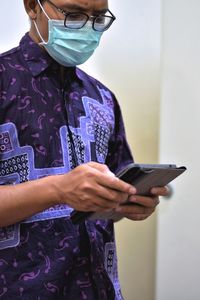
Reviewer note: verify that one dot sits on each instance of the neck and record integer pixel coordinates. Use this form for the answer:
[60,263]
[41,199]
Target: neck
[33,34]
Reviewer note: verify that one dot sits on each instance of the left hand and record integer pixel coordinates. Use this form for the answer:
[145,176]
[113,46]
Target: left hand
[142,207]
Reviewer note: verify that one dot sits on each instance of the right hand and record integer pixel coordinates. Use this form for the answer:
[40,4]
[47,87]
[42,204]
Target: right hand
[92,187]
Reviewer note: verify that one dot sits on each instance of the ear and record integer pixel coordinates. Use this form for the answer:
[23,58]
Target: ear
[32,8]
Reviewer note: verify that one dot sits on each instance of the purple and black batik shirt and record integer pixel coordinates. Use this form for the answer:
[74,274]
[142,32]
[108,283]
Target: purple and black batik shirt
[46,257]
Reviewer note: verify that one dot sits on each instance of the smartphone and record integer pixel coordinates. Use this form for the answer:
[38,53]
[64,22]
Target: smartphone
[146,176]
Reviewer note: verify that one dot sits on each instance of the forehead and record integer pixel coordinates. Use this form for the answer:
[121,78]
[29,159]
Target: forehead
[84,4]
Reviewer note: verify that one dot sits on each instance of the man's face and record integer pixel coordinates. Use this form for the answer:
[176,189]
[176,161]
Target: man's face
[90,7]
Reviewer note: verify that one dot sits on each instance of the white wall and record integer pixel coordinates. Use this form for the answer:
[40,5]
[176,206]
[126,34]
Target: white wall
[178,265]
[13,23]
[128,62]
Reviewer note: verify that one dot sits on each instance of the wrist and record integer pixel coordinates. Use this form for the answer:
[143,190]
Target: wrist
[55,192]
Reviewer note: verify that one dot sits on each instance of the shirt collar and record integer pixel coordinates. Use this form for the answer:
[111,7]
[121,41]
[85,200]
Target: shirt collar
[38,60]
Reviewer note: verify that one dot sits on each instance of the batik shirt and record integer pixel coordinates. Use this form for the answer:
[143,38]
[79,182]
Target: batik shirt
[46,257]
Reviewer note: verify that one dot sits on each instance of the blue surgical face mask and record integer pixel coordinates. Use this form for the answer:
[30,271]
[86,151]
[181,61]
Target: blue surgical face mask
[69,47]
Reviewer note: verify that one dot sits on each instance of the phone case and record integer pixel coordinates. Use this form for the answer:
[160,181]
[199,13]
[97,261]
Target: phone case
[146,176]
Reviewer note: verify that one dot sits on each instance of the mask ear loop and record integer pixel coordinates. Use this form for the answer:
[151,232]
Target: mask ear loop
[37,29]
[38,32]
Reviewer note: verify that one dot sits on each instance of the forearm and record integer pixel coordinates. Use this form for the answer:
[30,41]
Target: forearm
[18,202]
[89,187]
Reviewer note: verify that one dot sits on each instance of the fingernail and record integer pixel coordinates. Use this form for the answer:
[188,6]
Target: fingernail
[132,190]
[132,199]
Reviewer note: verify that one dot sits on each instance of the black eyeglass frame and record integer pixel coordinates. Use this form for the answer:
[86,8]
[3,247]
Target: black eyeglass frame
[94,18]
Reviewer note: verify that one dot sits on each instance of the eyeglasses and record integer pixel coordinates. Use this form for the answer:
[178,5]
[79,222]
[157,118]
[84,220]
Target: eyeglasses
[76,20]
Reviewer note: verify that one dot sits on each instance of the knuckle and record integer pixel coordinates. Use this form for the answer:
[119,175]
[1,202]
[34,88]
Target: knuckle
[118,197]
[114,197]
[85,170]
[104,167]
[84,197]
[86,188]
[89,173]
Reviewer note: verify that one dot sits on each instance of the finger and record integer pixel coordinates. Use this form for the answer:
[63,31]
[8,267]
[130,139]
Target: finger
[91,190]
[111,195]
[115,183]
[144,200]
[136,217]
[134,209]
[108,179]
[94,196]
[160,191]
[100,167]
[98,204]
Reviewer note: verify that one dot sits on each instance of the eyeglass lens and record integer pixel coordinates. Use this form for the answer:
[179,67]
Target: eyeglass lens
[78,20]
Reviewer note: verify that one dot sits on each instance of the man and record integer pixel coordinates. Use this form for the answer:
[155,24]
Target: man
[61,141]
